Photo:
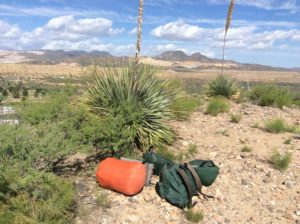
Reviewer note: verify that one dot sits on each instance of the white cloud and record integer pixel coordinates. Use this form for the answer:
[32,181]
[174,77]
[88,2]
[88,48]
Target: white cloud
[8,31]
[64,32]
[261,23]
[133,31]
[247,37]
[209,53]
[12,10]
[289,5]
[178,30]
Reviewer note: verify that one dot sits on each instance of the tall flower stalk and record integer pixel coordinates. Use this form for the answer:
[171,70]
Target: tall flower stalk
[227,26]
[139,32]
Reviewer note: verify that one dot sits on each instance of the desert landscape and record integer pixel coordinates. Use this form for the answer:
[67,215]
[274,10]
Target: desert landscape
[248,189]
[149,112]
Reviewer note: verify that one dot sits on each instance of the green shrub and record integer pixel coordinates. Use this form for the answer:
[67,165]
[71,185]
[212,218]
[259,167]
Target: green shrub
[137,99]
[38,198]
[221,86]
[37,92]
[235,118]
[48,110]
[183,106]
[15,93]
[281,162]
[216,106]
[278,126]
[1,97]
[102,200]
[246,149]
[193,216]
[4,92]
[25,92]
[192,149]
[287,141]
[267,95]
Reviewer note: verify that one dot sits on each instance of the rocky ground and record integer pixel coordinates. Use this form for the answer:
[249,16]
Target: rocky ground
[248,189]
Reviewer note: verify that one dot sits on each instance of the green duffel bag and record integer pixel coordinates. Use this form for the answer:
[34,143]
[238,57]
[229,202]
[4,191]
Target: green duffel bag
[178,183]
[158,161]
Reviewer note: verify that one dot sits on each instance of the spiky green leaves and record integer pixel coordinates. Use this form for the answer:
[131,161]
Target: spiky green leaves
[221,86]
[136,97]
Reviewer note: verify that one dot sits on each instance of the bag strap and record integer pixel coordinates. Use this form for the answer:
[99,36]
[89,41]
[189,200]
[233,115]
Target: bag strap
[187,183]
[197,181]
[195,176]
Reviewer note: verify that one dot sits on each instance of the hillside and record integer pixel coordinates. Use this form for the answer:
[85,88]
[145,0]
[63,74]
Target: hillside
[174,60]
[200,61]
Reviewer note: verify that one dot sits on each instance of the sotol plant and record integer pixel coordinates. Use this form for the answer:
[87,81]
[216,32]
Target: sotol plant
[139,32]
[221,86]
[136,97]
[227,26]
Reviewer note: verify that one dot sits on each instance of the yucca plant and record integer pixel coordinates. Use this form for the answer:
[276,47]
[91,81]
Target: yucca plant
[139,31]
[135,97]
[227,26]
[221,86]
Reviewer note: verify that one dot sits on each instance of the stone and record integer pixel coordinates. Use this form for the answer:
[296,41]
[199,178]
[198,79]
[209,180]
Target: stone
[244,182]
[270,208]
[267,180]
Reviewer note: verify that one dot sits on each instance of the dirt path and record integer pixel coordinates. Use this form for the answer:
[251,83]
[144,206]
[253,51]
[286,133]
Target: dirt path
[248,189]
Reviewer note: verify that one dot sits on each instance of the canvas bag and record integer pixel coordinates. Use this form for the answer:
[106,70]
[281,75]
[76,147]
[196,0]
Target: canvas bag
[178,183]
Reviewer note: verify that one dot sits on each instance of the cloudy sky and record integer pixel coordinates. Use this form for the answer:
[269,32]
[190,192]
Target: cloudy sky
[263,31]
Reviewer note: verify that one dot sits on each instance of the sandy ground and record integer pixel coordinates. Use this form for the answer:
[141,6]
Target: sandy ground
[36,72]
[248,189]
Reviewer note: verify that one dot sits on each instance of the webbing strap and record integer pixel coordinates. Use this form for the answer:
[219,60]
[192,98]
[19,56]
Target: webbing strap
[187,184]
[195,176]
[197,181]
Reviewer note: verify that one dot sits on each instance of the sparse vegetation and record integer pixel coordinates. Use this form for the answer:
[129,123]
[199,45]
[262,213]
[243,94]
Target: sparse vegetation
[216,106]
[221,86]
[246,149]
[36,197]
[102,200]
[183,106]
[255,125]
[235,118]
[192,149]
[193,216]
[287,141]
[223,132]
[281,162]
[267,95]
[278,126]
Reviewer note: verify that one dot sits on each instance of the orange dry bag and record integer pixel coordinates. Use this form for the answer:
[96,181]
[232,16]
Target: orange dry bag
[123,176]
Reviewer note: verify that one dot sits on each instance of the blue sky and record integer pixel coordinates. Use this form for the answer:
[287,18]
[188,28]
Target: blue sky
[263,31]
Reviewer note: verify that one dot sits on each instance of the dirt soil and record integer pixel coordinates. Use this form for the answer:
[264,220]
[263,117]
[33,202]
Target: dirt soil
[247,190]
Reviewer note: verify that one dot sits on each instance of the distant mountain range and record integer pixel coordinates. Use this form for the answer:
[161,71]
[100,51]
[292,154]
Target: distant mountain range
[180,56]
[176,60]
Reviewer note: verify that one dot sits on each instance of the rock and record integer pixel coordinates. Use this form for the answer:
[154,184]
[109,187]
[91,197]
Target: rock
[244,182]
[267,180]
[288,184]
[297,213]
[288,216]
[270,208]
[133,200]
